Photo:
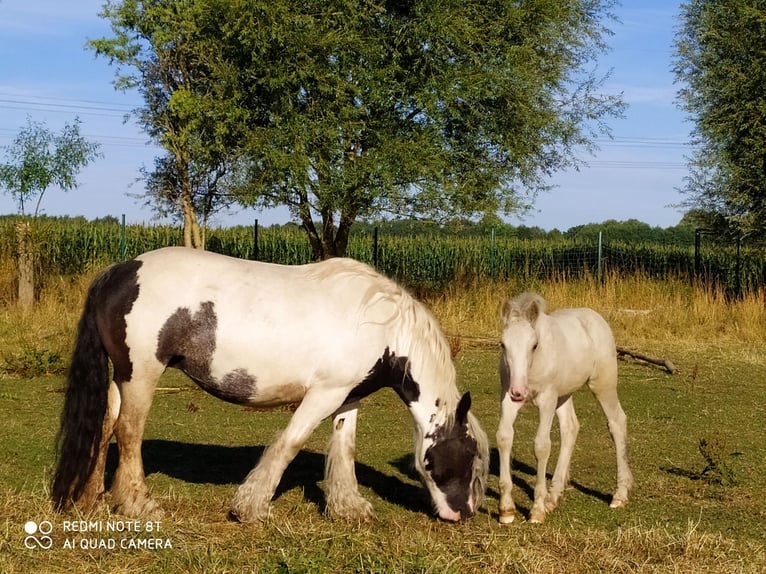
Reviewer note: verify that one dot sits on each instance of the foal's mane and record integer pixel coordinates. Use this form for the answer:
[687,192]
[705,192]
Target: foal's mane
[528,306]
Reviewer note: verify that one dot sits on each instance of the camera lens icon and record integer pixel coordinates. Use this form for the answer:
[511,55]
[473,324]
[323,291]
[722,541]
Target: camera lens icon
[44,529]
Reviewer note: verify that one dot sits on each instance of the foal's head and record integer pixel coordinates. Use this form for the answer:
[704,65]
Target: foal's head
[519,342]
[455,466]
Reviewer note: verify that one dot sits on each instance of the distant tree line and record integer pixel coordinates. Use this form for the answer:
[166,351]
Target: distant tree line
[630,231]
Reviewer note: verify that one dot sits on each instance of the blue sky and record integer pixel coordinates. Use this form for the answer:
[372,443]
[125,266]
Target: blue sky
[46,74]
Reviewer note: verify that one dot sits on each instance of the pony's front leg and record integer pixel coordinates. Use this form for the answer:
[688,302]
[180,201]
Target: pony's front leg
[343,498]
[569,427]
[508,411]
[253,498]
[547,406]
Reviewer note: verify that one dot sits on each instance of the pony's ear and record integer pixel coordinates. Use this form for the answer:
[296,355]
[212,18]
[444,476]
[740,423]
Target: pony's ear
[461,413]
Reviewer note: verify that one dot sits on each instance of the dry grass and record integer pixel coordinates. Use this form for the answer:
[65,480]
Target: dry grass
[650,315]
[675,523]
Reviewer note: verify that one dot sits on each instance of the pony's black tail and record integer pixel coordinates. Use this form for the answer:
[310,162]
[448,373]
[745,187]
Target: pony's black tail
[85,405]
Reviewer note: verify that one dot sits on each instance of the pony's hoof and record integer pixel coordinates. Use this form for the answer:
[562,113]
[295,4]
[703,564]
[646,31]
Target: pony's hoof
[246,517]
[537,517]
[507,517]
[618,503]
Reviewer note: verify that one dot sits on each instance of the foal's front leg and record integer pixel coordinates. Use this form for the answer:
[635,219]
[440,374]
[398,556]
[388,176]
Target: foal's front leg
[343,498]
[508,411]
[547,406]
[253,498]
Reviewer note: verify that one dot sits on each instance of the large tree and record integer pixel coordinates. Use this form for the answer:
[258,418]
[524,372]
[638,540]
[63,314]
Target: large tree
[721,63]
[342,109]
[161,48]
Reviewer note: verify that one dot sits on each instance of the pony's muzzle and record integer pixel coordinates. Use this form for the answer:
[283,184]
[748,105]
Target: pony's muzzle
[450,515]
[518,395]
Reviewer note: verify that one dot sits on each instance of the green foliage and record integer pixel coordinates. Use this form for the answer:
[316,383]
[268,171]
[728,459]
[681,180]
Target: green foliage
[348,108]
[721,65]
[717,468]
[31,361]
[423,256]
[38,158]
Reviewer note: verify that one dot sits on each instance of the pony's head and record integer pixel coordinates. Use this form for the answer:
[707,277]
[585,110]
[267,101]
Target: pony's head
[455,465]
[519,342]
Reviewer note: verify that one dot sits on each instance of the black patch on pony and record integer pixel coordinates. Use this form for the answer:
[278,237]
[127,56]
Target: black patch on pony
[449,459]
[187,342]
[388,371]
[114,294]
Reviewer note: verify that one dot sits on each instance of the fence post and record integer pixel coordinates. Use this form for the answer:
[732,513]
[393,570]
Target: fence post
[255,240]
[375,247]
[492,253]
[598,264]
[738,271]
[123,247]
[697,241]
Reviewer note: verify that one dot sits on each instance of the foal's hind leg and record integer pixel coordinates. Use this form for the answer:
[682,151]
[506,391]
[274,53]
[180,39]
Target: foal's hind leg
[93,491]
[129,494]
[605,390]
[569,427]
[547,406]
[343,498]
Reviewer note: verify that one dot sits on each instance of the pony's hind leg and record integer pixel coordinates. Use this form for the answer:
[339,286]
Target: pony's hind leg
[610,403]
[569,427]
[343,498]
[129,493]
[93,490]
[508,411]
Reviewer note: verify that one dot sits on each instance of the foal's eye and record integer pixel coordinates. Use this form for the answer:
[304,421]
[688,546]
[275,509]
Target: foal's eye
[501,345]
[534,347]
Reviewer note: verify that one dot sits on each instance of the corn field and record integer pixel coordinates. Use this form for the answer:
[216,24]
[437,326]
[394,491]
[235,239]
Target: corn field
[72,247]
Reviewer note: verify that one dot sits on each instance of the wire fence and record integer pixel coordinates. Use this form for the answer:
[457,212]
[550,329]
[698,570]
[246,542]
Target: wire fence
[74,247]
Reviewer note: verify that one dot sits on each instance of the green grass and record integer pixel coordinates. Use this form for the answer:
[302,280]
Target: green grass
[197,449]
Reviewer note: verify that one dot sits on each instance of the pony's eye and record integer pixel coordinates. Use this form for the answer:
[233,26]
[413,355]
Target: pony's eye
[534,347]
[501,345]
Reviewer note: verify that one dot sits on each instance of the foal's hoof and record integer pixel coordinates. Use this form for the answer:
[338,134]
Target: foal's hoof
[618,503]
[507,516]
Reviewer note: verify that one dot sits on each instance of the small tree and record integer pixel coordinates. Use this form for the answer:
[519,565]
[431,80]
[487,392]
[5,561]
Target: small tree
[36,160]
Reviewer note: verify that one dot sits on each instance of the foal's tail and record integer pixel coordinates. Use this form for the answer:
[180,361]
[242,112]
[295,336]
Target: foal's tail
[85,405]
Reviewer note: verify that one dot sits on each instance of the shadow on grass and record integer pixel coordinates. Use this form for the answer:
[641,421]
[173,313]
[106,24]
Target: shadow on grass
[524,477]
[216,464]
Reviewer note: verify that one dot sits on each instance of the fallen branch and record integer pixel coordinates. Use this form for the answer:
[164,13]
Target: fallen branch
[669,367]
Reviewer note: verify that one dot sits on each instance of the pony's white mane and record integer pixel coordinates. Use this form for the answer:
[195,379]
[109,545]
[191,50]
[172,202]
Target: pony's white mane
[415,334]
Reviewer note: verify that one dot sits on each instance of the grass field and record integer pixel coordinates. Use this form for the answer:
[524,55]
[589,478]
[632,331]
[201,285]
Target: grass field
[693,509]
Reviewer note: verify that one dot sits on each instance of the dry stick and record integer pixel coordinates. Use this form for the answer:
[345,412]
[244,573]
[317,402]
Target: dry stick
[669,367]
[456,340]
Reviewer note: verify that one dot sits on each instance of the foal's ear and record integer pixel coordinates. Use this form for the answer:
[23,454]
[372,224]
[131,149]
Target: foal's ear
[532,310]
[505,312]
[461,413]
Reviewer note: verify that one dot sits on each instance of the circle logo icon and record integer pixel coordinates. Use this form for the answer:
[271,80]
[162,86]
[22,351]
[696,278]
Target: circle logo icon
[43,541]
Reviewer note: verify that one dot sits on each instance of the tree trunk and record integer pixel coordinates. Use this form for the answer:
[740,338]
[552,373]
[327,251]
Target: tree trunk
[192,235]
[26,263]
